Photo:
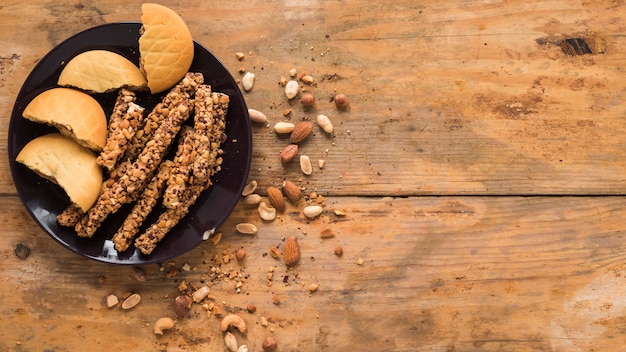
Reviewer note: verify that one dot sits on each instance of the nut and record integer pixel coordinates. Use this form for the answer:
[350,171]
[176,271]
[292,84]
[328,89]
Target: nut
[291,251]
[240,254]
[341,101]
[324,122]
[163,324]
[242,348]
[131,301]
[307,100]
[308,79]
[266,212]
[321,163]
[275,252]
[284,127]
[246,228]
[288,153]
[300,132]
[293,72]
[291,89]
[240,55]
[269,344]
[139,274]
[199,294]
[293,192]
[182,304]
[327,233]
[251,308]
[276,198]
[253,199]
[233,320]
[313,287]
[257,116]
[231,342]
[305,165]
[248,81]
[312,211]
[112,301]
[249,188]
[338,251]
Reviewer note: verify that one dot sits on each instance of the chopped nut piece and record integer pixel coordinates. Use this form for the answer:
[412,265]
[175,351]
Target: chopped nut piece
[131,301]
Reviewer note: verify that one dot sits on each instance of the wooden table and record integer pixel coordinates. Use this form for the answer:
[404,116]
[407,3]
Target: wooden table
[481,169]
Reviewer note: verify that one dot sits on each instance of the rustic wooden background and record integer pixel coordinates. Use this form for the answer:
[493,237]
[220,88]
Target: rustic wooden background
[480,166]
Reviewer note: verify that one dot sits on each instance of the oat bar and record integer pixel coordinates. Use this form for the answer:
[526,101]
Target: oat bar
[134,179]
[148,240]
[149,198]
[188,195]
[207,144]
[120,133]
[70,216]
[183,90]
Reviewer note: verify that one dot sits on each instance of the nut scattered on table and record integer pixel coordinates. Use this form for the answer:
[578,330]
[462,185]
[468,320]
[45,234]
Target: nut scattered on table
[288,153]
[277,200]
[283,127]
[325,124]
[300,132]
[269,344]
[291,89]
[266,212]
[307,100]
[312,211]
[257,116]
[131,301]
[305,165]
[163,324]
[235,321]
[291,251]
[247,81]
[246,228]
[341,101]
[293,192]
[231,342]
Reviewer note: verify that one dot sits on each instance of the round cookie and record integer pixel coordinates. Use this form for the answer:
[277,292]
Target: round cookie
[73,113]
[166,47]
[101,71]
[63,161]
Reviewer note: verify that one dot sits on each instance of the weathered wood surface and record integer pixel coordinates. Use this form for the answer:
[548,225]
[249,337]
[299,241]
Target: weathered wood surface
[459,110]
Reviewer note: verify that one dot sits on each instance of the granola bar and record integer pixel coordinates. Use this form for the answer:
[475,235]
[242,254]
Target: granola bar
[134,179]
[70,216]
[210,150]
[120,133]
[149,198]
[183,90]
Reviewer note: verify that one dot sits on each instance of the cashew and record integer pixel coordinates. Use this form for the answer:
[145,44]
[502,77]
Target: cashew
[234,320]
[163,324]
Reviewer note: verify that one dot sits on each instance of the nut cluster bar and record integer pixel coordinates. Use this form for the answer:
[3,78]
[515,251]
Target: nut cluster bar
[120,133]
[142,208]
[132,182]
[210,148]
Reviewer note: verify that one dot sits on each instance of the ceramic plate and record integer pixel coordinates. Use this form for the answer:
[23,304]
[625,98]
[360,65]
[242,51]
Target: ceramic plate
[44,200]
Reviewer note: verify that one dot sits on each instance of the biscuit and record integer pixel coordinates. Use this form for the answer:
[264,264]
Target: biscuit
[101,71]
[73,113]
[166,47]
[63,161]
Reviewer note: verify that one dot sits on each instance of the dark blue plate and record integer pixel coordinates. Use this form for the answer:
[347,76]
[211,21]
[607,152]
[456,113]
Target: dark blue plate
[44,200]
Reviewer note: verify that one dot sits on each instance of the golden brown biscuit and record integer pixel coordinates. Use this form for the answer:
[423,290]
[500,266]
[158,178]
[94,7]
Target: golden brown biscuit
[101,71]
[166,47]
[63,161]
[73,113]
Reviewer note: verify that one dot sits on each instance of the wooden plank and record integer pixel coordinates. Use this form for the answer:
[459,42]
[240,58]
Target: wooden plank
[445,99]
[438,273]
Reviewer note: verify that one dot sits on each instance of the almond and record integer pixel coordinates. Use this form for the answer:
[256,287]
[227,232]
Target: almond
[301,131]
[288,153]
[276,198]
[293,192]
[291,251]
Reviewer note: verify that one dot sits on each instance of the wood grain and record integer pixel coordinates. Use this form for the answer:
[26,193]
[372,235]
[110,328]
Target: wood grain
[544,273]
[481,169]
